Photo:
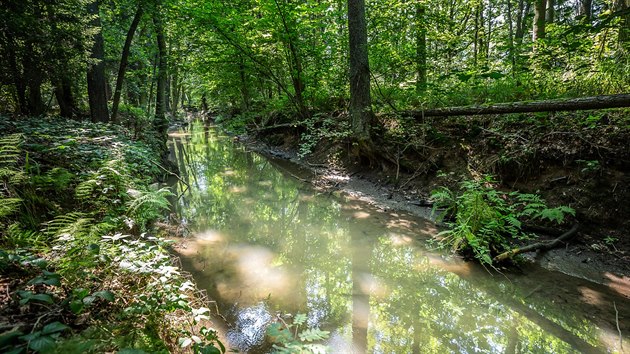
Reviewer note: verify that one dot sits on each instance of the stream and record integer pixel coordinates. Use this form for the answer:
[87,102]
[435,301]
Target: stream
[267,246]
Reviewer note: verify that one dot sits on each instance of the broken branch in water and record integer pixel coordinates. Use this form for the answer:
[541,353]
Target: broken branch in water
[539,245]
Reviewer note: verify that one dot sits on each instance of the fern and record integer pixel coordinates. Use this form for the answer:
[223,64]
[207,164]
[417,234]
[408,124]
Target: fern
[485,219]
[74,224]
[313,334]
[10,154]
[85,189]
[147,205]
[10,149]
[8,206]
[16,236]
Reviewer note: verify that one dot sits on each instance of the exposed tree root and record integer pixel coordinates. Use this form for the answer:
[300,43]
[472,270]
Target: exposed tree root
[539,245]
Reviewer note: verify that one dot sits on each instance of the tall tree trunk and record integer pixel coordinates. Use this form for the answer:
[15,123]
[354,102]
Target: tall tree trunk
[360,101]
[16,73]
[97,85]
[176,86]
[160,123]
[539,20]
[124,59]
[550,16]
[512,49]
[585,10]
[64,96]
[33,78]
[624,26]
[244,84]
[524,8]
[421,48]
[297,72]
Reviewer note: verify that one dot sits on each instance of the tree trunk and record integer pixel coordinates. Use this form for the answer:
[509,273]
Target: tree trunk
[512,49]
[421,48]
[16,74]
[624,26]
[524,7]
[97,86]
[124,59]
[539,20]
[550,16]
[360,101]
[160,123]
[585,10]
[575,104]
[297,72]
[244,84]
[65,99]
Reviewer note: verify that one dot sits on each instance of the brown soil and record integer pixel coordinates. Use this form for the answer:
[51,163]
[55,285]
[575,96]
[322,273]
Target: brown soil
[579,161]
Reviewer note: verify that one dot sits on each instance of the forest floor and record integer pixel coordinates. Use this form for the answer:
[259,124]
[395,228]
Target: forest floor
[579,160]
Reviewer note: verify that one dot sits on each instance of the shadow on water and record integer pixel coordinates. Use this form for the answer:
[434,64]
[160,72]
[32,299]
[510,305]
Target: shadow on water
[262,244]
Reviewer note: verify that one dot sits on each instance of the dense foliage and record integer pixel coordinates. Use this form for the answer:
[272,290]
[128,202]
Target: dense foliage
[75,255]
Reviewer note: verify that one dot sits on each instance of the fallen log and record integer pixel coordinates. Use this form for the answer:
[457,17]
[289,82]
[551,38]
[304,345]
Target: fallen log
[539,246]
[573,104]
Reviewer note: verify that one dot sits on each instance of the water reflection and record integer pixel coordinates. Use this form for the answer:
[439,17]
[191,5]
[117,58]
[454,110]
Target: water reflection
[263,244]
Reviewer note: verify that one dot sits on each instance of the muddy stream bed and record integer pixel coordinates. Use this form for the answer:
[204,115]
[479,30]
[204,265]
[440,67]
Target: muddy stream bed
[264,244]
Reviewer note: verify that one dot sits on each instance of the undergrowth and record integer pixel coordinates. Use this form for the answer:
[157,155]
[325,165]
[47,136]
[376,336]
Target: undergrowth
[82,271]
[484,221]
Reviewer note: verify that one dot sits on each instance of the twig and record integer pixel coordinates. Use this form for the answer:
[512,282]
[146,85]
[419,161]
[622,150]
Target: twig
[539,245]
[170,173]
[618,329]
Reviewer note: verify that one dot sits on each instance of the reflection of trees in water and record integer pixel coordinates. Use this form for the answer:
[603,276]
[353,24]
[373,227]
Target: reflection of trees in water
[438,311]
[423,308]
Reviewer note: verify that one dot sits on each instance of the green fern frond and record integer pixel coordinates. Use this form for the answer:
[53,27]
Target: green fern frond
[74,224]
[16,236]
[10,149]
[85,189]
[8,206]
[156,200]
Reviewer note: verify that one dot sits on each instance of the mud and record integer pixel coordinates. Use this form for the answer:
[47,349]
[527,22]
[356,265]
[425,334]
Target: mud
[585,257]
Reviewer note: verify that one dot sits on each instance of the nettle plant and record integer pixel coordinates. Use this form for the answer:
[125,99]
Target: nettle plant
[483,220]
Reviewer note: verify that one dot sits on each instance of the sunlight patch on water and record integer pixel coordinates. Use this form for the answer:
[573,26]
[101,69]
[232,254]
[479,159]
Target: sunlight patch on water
[400,240]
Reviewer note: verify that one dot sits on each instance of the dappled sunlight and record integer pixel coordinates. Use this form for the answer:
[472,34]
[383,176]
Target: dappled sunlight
[360,215]
[238,189]
[259,277]
[400,240]
[209,236]
[265,241]
[401,224]
[228,172]
[591,296]
[266,183]
[620,284]
[370,284]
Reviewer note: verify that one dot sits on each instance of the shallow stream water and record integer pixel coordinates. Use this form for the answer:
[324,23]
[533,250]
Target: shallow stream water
[265,246]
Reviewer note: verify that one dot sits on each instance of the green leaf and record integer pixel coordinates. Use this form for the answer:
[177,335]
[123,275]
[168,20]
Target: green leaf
[41,344]
[28,296]
[76,306]
[313,334]
[208,349]
[54,328]
[9,337]
[300,319]
[105,295]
